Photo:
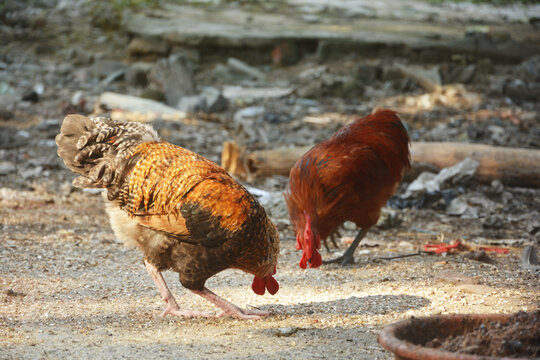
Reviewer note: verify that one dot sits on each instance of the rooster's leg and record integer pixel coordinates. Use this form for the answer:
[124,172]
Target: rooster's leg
[228,308]
[332,237]
[348,257]
[172,306]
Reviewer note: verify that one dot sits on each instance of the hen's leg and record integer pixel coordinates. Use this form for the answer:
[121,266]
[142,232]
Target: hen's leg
[348,257]
[228,308]
[172,306]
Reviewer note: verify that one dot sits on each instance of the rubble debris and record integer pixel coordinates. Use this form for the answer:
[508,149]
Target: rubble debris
[137,74]
[520,90]
[233,92]
[429,79]
[144,46]
[102,68]
[191,104]
[458,207]
[174,77]
[7,167]
[34,94]
[246,69]
[480,255]
[286,331]
[529,69]
[214,101]
[110,100]
[454,175]
[529,257]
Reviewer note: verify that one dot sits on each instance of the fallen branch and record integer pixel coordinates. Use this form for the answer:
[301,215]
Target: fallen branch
[512,166]
[399,256]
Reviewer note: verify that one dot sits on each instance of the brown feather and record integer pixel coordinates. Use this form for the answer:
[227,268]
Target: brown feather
[350,176]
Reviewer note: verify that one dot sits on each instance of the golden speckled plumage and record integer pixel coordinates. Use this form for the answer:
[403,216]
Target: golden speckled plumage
[184,211]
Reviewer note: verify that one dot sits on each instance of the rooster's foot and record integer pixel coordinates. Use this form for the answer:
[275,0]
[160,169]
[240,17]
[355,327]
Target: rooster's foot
[342,260]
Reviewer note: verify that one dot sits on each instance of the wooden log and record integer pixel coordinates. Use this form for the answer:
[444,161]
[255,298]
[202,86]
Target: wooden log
[512,166]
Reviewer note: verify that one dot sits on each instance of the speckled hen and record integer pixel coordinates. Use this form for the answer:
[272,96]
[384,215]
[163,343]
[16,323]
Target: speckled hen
[183,211]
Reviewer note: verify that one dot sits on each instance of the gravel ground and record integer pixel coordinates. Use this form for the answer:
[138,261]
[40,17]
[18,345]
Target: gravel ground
[70,290]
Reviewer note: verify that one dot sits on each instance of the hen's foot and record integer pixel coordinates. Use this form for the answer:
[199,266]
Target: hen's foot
[176,311]
[244,313]
[172,306]
[229,309]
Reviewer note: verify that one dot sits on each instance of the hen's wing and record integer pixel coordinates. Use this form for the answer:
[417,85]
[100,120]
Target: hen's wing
[183,194]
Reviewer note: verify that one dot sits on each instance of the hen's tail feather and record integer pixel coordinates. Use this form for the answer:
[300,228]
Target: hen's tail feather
[101,151]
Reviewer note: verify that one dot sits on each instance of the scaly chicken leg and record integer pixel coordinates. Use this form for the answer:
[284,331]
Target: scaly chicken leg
[228,308]
[348,257]
[172,306]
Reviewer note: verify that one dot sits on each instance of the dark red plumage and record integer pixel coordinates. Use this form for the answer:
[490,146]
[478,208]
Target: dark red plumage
[348,177]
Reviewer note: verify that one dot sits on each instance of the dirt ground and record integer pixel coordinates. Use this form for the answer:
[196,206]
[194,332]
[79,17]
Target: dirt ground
[69,289]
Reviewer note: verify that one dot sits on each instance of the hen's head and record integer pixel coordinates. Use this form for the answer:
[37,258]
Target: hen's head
[308,240]
[264,279]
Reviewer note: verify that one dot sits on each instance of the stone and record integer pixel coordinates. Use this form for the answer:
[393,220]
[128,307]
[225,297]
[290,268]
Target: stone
[233,92]
[191,104]
[249,70]
[530,68]
[137,74]
[104,67]
[462,75]
[6,167]
[520,90]
[174,76]
[367,74]
[112,100]
[429,79]
[192,54]
[140,46]
[214,100]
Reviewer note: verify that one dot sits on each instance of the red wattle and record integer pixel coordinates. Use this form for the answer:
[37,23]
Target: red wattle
[303,260]
[258,286]
[298,243]
[271,284]
[316,259]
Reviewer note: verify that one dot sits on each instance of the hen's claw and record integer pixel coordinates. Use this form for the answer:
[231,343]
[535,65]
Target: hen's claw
[172,306]
[229,309]
[183,313]
[245,314]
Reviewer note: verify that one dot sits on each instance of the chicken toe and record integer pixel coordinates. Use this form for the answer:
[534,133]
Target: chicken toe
[172,306]
[348,257]
[229,309]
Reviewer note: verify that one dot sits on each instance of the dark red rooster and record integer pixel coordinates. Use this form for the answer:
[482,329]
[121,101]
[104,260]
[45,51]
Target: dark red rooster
[348,177]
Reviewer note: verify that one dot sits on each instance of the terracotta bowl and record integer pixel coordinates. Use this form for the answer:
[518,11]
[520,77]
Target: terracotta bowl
[405,338]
